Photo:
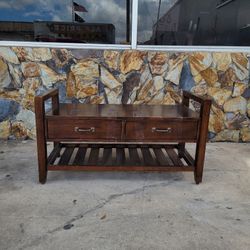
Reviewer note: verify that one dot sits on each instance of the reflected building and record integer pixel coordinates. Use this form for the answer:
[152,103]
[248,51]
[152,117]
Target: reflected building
[17,31]
[211,22]
[74,32]
[47,31]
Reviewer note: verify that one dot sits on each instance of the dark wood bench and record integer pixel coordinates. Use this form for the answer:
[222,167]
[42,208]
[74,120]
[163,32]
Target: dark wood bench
[121,137]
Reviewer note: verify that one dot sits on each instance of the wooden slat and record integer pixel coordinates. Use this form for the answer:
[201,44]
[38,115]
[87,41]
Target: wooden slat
[80,155]
[188,158]
[93,157]
[147,156]
[160,157]
[163,156]
[120,156]
[134,158]
[131,168]
[174,157]
[107,157]
[54,154]
[66,156]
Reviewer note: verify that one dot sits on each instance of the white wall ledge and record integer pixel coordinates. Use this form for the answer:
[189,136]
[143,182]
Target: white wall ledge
[175,48]
[194,48]
[64,45]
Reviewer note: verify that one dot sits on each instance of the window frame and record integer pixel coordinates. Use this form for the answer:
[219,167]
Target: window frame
[133,45]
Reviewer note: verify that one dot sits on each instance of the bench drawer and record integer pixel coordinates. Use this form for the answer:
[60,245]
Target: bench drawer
[161,130]
[83,129]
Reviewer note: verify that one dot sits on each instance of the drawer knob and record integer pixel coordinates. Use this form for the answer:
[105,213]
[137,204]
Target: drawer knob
[92,129]
[167,130]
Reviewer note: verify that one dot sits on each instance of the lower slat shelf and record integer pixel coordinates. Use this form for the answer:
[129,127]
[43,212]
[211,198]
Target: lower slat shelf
[111,157]
[120,168]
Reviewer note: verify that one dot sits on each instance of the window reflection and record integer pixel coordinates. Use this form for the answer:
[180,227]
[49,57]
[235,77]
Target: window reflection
[84,21]
[194,22]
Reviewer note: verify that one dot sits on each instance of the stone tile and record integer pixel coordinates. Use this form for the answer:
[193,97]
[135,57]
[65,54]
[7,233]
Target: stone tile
[239,89]
[27,117]
[220,96]
[216,120]
[245,134]
[158,62]
[111,58]
[174,73]
[81,54]
[8,109]
[87,90]
[18,130]
[4,130]
[108,79]
[130,85]
[33,54]
[30,69]
[199,62]
[9,55]
[235,105]
[228,77]
[228,135]
[5,79]
[222,61]
[210,76]
[186,78]
[131,60]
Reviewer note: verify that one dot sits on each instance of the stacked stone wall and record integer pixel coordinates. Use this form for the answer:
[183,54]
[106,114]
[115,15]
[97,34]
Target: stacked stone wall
[128,77]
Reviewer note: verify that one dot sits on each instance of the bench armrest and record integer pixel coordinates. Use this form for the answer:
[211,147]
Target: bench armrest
[197,98]
[40,100]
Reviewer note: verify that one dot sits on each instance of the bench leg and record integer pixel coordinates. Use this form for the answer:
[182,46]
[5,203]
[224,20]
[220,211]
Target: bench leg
[41,140]
[42,163]
[200,156]
[201,141]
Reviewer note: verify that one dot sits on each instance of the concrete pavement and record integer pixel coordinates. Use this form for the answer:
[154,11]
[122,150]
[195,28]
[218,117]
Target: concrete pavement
[77,210]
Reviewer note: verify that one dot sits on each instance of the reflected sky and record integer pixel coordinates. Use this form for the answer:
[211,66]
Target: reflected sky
[104,11]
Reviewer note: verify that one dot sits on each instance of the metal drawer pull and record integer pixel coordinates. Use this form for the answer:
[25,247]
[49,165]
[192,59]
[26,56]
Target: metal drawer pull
[92,129]
[167,130]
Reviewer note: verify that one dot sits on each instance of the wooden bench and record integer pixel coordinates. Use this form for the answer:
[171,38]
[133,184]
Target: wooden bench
[105,137]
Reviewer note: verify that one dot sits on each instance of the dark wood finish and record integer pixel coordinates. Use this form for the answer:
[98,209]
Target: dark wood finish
[200,99]
[80,155]
[149,160]
[107,168]
[97,162]
[188,158]
[160,157]
[205,104]
[174,157]
[118,125]
[202,140]
[107,156]
[40,129]
[64,160]
[94,129]
[161,130]
[127,111]
[134,157]
[181,145]
[120,155]
[54,154]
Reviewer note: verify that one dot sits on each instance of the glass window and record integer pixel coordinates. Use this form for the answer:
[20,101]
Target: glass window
[194,22]
[83,21]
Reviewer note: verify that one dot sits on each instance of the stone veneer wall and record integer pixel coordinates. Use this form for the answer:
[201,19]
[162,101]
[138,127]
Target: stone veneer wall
[93,76]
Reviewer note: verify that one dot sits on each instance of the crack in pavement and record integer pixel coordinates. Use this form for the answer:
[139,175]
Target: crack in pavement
[112,197]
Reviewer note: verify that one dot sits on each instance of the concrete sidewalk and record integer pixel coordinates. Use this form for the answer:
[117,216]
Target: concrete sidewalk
[125,210]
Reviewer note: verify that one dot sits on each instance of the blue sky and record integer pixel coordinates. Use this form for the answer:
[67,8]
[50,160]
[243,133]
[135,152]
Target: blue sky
[29,10]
